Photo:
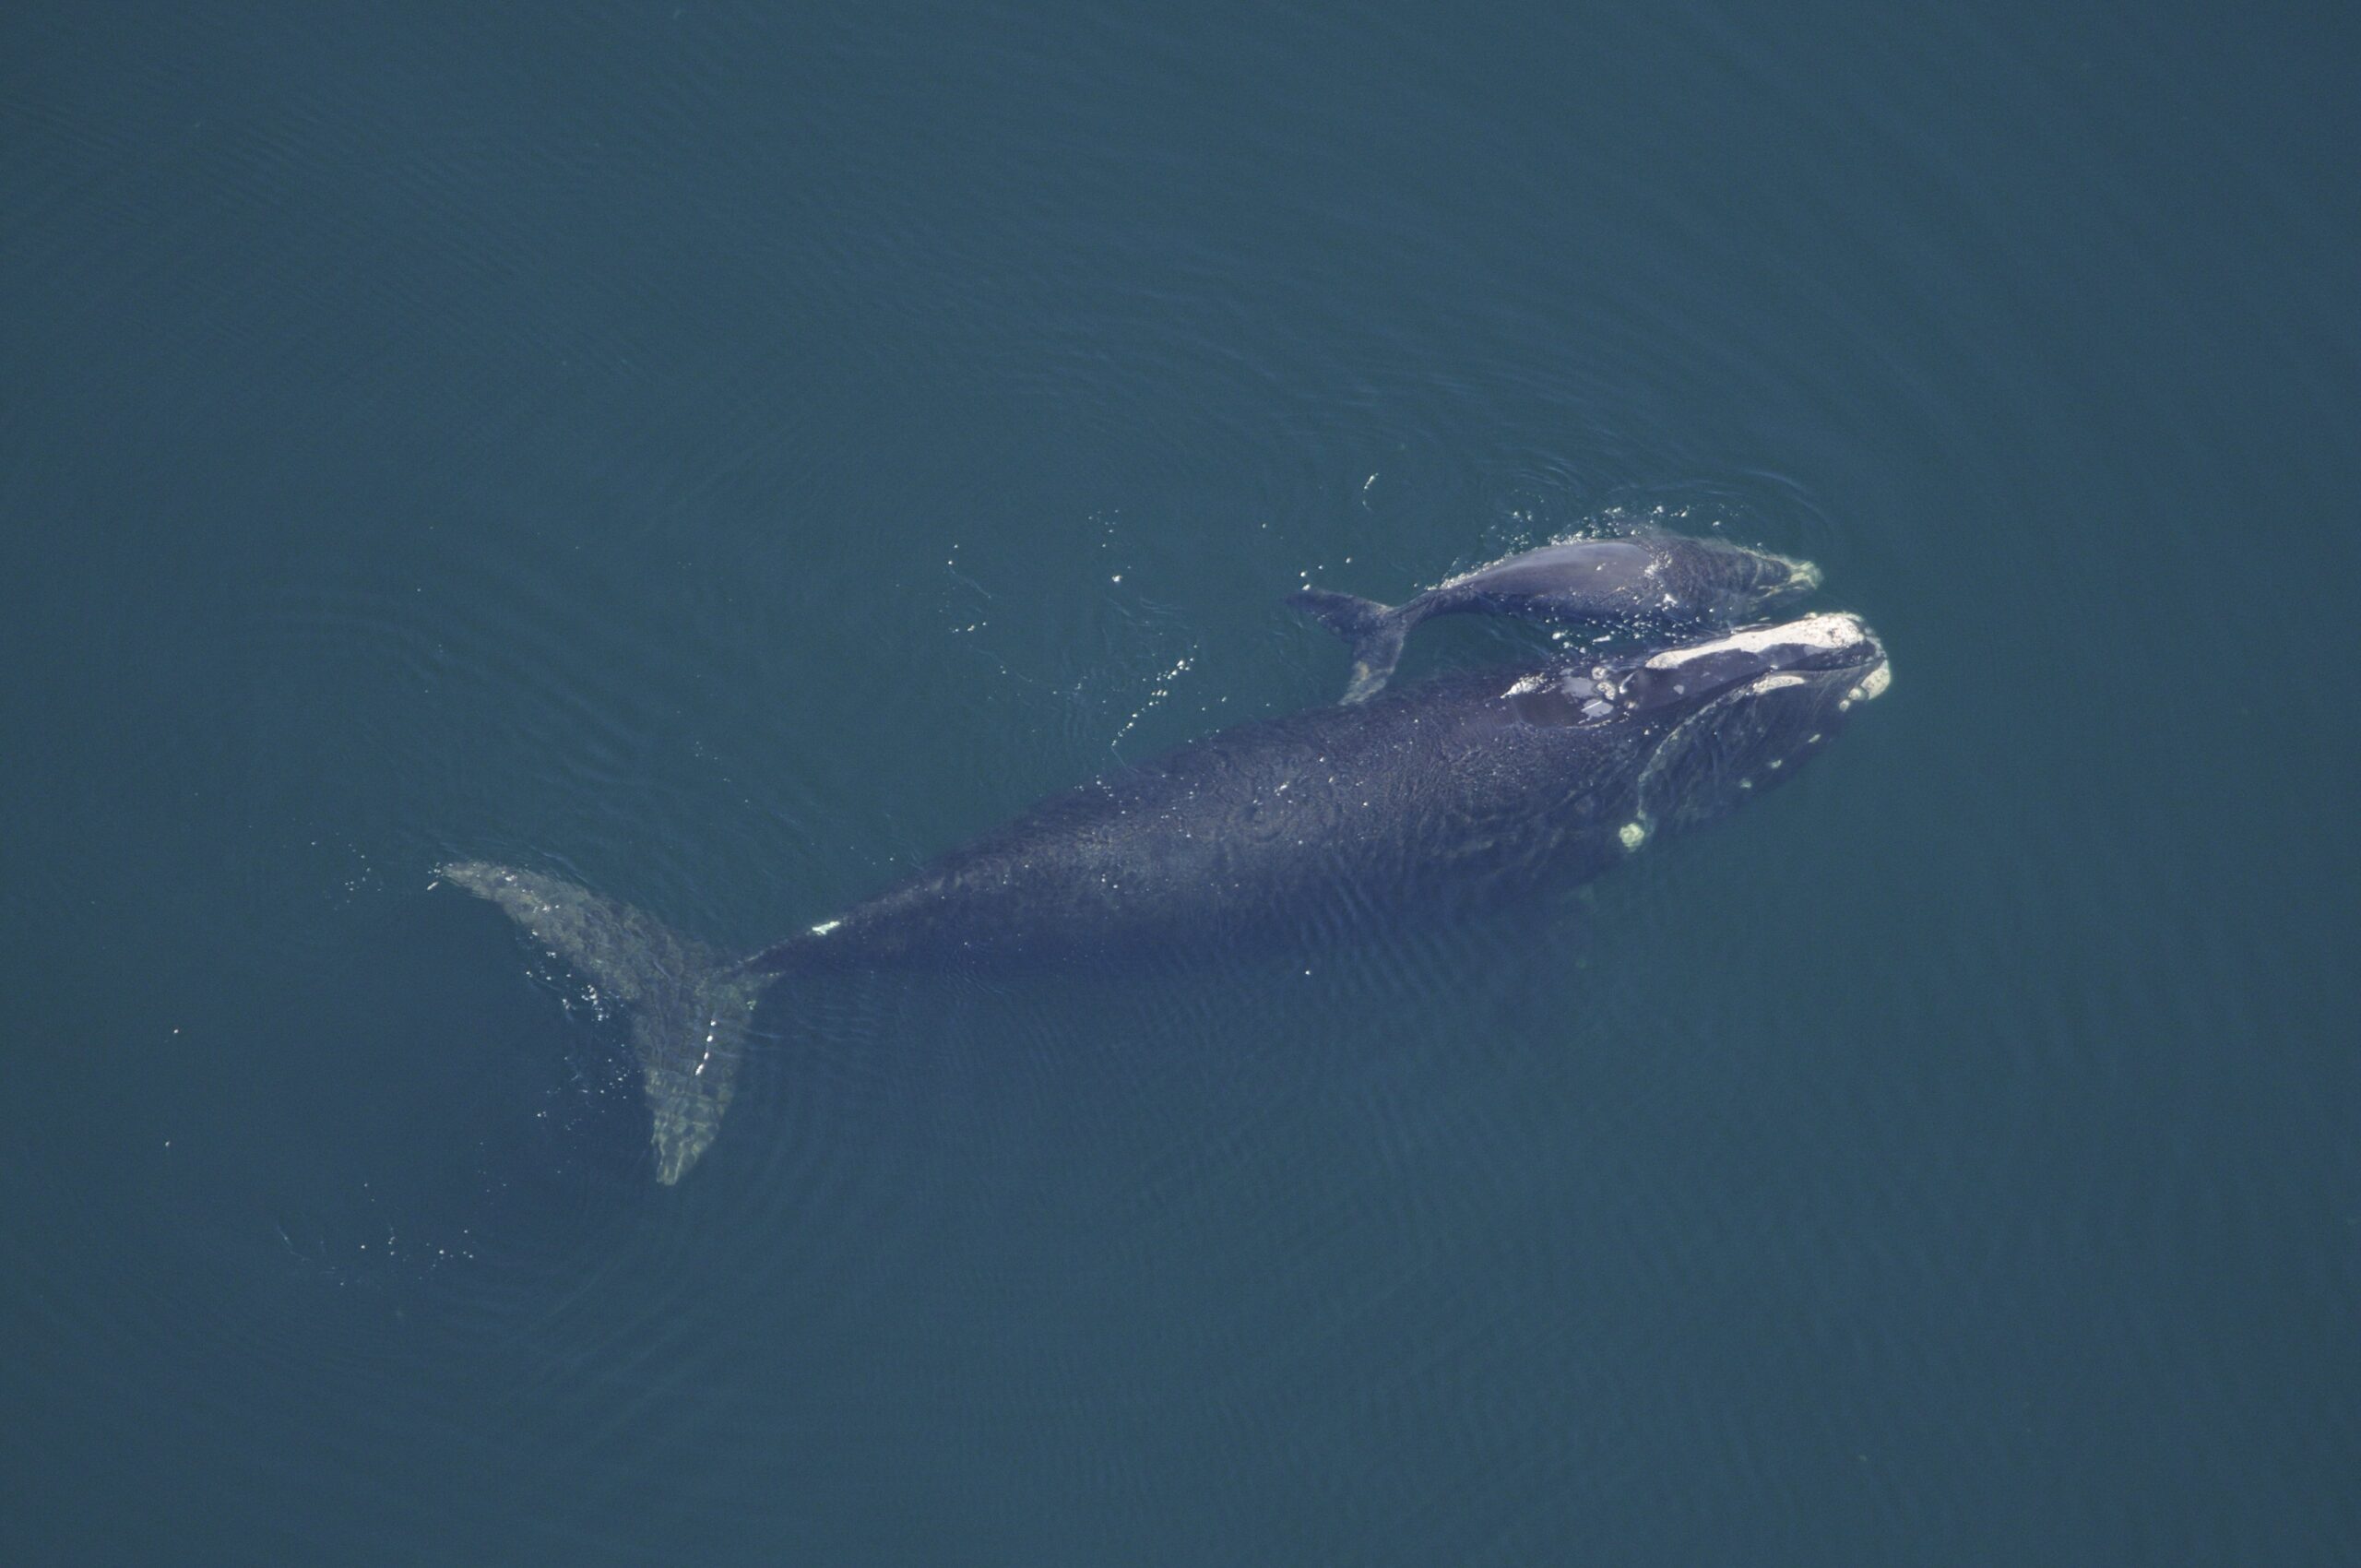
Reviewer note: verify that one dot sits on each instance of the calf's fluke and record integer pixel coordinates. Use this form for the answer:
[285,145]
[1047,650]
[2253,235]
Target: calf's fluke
[1374,632]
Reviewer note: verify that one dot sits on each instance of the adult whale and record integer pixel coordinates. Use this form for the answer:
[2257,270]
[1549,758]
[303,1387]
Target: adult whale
[1648,580]
[1480,784]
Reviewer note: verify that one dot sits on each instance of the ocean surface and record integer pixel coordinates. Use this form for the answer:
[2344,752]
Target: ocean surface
[724,454]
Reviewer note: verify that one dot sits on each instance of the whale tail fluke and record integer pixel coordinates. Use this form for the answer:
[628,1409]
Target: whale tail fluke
[1375,630]
[687,1007]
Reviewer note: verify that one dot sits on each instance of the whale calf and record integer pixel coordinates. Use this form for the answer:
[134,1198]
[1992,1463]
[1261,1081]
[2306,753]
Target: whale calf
[1474,787]
[1652,579]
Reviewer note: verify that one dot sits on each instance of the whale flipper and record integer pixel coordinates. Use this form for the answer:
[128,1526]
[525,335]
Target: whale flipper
[688,1006]
[1375,631]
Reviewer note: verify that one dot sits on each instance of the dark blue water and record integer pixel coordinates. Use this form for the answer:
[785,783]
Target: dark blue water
[724,454]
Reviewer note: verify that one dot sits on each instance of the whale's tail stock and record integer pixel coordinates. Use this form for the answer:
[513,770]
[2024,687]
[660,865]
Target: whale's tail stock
[688,1007]
[1375,631]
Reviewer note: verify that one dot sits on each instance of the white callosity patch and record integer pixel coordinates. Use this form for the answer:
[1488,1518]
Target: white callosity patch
[1871,687]
[1633,834]
[1828,632]
[1590,691]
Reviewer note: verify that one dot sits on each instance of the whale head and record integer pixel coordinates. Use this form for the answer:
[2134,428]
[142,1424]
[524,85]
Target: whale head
[1721,579]
[1733,716]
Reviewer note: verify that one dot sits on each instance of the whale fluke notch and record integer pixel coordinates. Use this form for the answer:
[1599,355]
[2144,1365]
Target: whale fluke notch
[687,1007]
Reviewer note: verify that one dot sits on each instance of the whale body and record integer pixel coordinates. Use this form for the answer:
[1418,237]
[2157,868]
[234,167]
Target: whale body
[1471,787]
[1650,580]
